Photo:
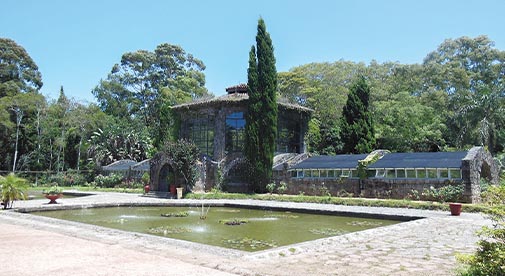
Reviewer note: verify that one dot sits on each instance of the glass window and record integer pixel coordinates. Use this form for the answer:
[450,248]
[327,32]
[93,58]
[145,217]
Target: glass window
[323,173]
[380,173]
[288,135]
[391,173]
[308,173]
[400,173]
[432,173]
[345,173]
[294,174]
[201,132]
[443,173]
[354,173]
[299,174]
[315,173]
[235,124]
[331,173]
[421,173]
[338,173]
[411,173]
[455,174]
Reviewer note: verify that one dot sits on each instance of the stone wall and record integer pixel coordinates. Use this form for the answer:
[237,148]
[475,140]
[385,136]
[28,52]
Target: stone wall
[477,164]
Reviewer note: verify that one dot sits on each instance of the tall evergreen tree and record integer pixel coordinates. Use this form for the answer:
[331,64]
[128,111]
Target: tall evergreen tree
[357,131]
[262,112]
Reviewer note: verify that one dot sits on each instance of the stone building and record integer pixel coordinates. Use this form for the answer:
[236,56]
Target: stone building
[217,127]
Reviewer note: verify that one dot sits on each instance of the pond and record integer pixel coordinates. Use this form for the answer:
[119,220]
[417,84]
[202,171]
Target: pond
[237,228]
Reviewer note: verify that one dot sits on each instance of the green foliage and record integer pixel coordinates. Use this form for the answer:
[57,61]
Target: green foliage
[449,193]
[271,187]
[282,187]
[261,118]
[118,142]
[363,164]
[181,214]
[53,190]
[109,181]
[18,72]
[490,256]
[12,188]
[184,155]
[145,84]
[357,131]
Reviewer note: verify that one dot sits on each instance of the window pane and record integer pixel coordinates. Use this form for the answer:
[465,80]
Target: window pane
[354,173]
[323,173]
[432,173]
[391,174]
[411,173]
[331,173]
[421,173]
[400,173]
[234,136]
[443,173]
[455,174]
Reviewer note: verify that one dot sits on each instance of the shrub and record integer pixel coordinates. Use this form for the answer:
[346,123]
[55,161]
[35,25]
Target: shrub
[449,193]
[271,187]
[490,256]
[109,181]
[282,188]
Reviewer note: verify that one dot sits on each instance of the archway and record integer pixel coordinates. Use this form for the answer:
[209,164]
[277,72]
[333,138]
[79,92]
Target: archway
[161,172]
[166,177]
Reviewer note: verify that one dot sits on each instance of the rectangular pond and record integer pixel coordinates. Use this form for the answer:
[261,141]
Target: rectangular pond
[237,228]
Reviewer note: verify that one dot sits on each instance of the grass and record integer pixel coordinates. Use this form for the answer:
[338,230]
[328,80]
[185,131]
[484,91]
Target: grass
[348,201]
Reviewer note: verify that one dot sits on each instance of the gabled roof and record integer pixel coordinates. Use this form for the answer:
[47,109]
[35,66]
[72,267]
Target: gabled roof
[120,165]
[420,160]
[343,161]
[142,166]
[234,98]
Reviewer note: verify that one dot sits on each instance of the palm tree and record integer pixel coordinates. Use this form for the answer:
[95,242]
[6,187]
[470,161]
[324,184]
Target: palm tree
[12,188]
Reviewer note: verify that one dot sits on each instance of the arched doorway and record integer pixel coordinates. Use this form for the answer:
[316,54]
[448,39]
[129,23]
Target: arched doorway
[166,177]
[161,172]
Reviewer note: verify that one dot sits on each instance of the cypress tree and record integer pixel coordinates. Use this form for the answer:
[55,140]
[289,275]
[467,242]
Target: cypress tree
[356,129]
[261,118]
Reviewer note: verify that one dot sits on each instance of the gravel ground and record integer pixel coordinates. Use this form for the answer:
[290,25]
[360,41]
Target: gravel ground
[33,245]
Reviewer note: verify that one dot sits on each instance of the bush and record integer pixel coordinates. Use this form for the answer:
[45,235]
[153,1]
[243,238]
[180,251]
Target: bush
[490,256]
[282,188]
[109,181]
[271,187]
[449,193]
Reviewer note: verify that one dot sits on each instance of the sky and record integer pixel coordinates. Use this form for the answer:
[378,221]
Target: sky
[76,43]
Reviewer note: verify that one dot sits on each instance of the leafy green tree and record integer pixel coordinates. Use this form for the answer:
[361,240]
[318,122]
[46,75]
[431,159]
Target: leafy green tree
[12,188]
[470,71]
[357,130]
[134,88]
[262,76]
[18,72]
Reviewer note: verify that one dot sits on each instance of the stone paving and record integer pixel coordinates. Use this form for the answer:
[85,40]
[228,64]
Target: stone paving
[424,246]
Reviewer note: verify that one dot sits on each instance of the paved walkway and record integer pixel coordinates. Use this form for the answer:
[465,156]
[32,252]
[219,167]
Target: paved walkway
[34,245]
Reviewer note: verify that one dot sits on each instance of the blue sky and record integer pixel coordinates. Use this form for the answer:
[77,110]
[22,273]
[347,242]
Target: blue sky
[76,43]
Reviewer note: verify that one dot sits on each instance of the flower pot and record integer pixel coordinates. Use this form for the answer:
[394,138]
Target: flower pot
[172,189]
[147,188]
[179,193]
[455,208]
[52,197]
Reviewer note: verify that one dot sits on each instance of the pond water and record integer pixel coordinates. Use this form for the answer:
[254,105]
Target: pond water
[238,228]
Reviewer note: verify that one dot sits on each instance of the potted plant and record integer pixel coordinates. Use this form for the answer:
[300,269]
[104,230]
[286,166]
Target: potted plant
[53,194]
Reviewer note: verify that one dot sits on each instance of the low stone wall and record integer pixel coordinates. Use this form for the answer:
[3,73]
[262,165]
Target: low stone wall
[401,188]
[336,187]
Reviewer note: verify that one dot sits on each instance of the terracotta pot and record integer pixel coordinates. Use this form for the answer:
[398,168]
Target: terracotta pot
[455,208]
[172,189]
[147,188]
[52,197]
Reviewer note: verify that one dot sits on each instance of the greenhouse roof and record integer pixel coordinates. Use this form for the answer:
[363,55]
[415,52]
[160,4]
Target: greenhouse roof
[420,160]
[142,166]
[344,161]
[121,165]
